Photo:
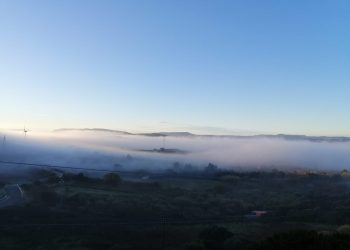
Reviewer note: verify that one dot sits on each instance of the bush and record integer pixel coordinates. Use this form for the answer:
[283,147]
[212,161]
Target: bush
[214,237]
[308,240]
[50,198]
[197,245]
[345,229]
[112,179]
[220,189]
[233,179]
[53,179]
[215,233]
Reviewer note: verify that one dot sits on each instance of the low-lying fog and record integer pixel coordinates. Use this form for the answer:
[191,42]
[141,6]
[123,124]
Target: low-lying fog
[108,150]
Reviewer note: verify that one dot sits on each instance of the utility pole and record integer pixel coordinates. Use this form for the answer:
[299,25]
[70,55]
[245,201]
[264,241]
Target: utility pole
[163,224]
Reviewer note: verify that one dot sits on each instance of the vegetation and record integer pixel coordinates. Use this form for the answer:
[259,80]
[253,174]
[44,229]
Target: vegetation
[211,210]
[308,240]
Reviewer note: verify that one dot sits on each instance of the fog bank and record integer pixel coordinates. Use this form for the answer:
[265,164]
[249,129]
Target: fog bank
[101,149]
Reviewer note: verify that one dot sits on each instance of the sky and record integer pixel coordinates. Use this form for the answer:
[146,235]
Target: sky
[219,67]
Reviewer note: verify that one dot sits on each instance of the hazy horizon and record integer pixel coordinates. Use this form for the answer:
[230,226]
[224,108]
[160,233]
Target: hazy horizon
[195,130]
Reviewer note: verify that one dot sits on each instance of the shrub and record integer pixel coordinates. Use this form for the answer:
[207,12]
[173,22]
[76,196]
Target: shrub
[214,237]
[50,198]
[345,229]
[112,179]
[308,240]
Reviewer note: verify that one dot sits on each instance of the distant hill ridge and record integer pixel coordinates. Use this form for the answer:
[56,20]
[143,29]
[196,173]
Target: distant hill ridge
[92,130]
[188,134]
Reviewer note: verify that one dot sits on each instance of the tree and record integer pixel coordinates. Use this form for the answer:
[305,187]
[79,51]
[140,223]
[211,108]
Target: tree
[112,179]
[53,179]
[345,173]
[49,197]
[211,168]
[344,229]
[308,240]
[214,237]
[80,177]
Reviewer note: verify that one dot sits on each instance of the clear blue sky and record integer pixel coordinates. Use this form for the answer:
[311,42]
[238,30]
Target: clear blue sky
[210,66]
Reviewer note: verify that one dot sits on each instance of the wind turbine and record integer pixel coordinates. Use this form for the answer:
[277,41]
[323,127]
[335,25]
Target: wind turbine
[25,131]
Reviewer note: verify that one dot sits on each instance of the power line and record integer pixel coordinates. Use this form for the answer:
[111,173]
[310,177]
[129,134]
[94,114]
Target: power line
[66,167]
[162,222]
[192,176]
[231,219]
